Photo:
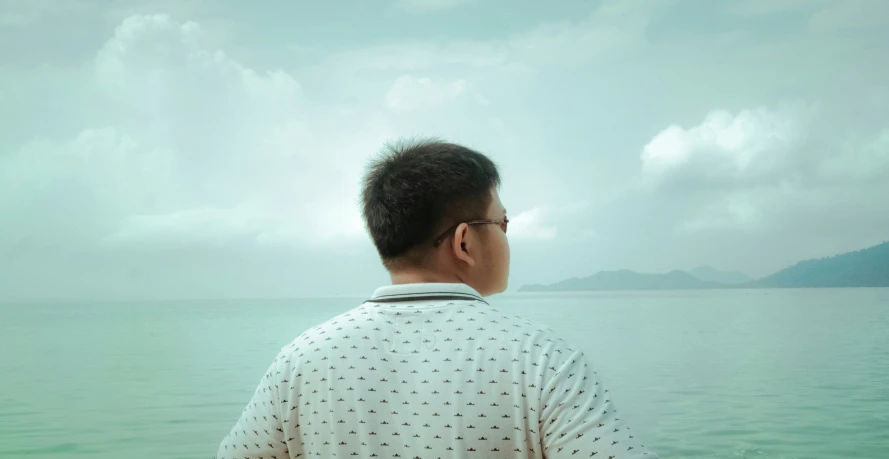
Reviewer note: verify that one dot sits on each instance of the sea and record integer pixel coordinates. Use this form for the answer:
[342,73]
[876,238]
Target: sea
[700,374]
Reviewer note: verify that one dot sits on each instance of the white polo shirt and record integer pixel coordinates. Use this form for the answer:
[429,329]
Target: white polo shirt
[430,371]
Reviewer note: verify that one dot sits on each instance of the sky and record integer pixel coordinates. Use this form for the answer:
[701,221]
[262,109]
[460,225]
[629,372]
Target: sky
[158,149]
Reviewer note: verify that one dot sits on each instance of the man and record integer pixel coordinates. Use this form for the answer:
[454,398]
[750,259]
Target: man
[427,368]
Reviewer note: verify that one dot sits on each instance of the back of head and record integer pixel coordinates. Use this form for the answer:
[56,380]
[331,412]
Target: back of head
[417,188]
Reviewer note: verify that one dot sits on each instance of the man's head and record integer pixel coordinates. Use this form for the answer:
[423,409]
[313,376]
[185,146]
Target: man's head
[433,212]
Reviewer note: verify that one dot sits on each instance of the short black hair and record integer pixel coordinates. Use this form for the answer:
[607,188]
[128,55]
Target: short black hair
[418,187]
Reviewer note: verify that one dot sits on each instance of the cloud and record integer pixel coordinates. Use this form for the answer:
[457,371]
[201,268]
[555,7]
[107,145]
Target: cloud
[788,146]
[858,161]
[531,225]
[199,227]
[823,16]
[586,235]
[755,8]
[766,170]
[734,212]
[199,149]
[208,143]
[409,93]
[155,66]
[615,26]
[418,56]
[858,15]
[727,149]
[21,14]
[83,185]
[429,6]
[245,225]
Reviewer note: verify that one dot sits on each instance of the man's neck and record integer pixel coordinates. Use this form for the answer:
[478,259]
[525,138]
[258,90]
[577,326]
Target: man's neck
[416,276]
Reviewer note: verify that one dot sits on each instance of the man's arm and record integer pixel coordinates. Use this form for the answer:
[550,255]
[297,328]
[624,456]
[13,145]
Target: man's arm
[578,419]
[259,432]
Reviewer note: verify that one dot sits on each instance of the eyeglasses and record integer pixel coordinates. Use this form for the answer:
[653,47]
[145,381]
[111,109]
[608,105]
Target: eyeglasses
[503,225]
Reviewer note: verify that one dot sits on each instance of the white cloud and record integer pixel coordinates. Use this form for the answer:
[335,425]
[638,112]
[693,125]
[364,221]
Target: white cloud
[752,170]
[409,92]
[763,148]
[430,6]
[163,138]
[856,15]
[531,225]
[102,171]
[767,7]
[734,212]
[614,26]
[858,160]
[193,227]
[245,225]
[15,19]
[587,234]
[726,148]
[406,57]
[200,149]
[14,13]
[825,16]
[155,66]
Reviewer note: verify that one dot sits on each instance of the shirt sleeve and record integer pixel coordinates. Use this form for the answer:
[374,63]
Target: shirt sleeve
[259,431]
[578,419]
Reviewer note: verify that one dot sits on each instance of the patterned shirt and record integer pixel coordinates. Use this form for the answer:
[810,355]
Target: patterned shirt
[430,371]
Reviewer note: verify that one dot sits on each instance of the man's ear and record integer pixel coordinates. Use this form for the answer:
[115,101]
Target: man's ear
[462,246]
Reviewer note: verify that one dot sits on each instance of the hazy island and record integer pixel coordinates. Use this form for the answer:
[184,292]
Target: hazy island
[863,268]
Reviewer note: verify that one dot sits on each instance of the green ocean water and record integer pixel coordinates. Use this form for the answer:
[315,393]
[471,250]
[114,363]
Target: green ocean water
[716,374]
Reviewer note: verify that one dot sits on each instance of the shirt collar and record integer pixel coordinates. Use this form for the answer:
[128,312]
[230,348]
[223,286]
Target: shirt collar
[425,292]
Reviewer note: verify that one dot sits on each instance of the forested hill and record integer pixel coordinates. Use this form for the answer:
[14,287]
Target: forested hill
[863,268]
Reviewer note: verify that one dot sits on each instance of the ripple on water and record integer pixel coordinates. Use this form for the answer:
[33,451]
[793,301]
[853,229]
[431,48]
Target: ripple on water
[753,383]
[60,449]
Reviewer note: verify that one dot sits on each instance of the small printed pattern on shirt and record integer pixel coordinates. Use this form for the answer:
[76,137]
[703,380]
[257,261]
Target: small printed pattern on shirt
[456,379]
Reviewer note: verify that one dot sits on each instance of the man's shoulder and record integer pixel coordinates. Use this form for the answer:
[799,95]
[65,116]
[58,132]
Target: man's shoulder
[532,332]
[326,334]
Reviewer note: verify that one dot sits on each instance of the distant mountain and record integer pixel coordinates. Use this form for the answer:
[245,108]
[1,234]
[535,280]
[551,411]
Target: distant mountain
[708,274]
[626,280]
[863,268]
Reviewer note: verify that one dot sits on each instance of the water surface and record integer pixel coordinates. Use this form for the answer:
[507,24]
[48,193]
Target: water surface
[715,374]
